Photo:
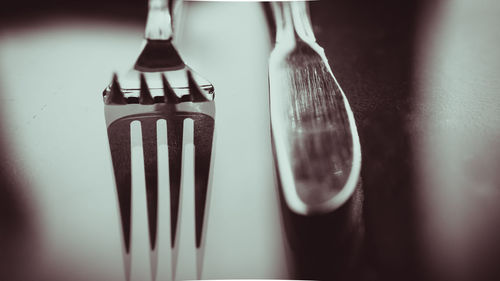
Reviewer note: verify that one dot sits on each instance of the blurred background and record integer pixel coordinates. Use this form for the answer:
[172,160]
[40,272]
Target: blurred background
[422,78]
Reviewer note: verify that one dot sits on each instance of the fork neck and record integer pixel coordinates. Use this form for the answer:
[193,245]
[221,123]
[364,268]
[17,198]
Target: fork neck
[292,22]
[159,22]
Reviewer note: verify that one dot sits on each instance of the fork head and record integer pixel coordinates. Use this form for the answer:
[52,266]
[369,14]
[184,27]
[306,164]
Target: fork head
[153,98]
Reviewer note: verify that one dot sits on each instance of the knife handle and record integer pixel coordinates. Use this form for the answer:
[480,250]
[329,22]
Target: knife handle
[292,19]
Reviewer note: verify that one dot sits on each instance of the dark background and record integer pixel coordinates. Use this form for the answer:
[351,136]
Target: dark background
[371,46]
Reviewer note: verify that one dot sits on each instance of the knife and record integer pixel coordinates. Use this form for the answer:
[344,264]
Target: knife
[316,151]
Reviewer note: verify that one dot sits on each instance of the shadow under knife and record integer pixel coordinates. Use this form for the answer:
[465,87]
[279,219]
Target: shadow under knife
[372,49]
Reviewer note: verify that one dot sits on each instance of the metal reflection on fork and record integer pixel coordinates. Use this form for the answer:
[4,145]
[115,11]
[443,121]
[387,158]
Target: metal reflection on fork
[160,87]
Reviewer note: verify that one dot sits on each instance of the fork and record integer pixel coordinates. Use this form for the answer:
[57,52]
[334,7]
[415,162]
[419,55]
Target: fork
[160,87]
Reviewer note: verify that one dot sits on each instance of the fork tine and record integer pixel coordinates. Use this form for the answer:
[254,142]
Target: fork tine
[149,145]
[195,93]
[151,172]
[145,95]
[175,127]
[170,96]
[203,138]
[115,95]
[174,141]
[119,143]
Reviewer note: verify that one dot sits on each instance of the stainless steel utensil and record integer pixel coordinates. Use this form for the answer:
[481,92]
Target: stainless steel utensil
[160,87]
[315,144]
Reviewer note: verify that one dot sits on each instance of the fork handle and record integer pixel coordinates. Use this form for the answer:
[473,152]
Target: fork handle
[159,22]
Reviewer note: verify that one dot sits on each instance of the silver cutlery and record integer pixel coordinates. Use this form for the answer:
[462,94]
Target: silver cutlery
[160,87]
[316,146]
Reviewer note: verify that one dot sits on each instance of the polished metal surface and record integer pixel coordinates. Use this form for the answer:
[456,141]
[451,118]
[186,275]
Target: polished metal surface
[180,97]
[316,142]
[316,152]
